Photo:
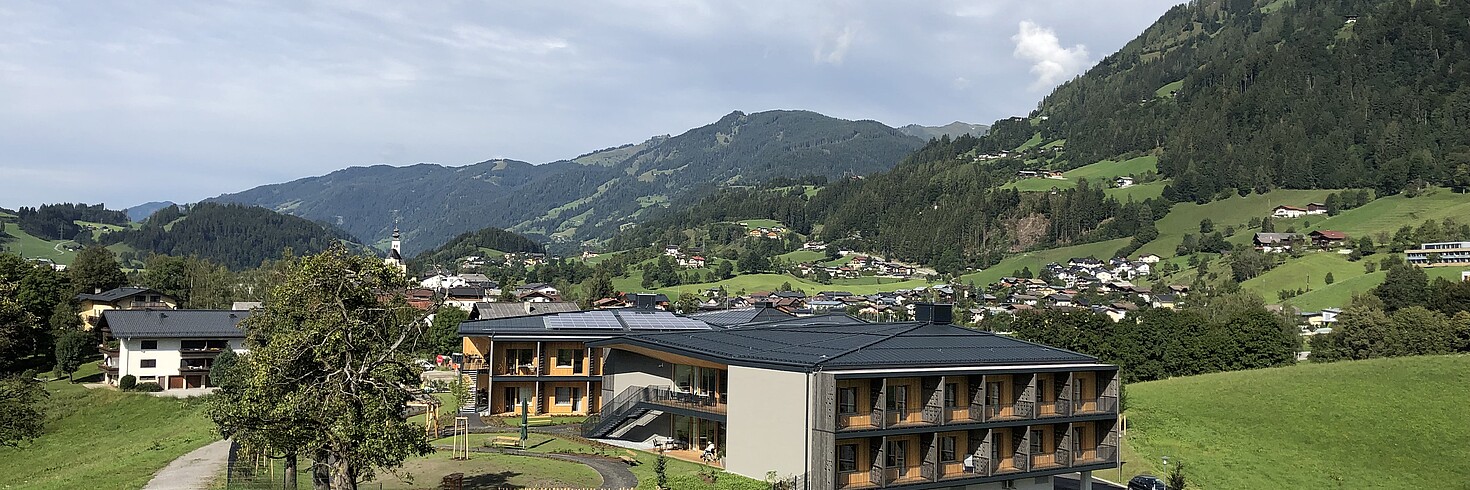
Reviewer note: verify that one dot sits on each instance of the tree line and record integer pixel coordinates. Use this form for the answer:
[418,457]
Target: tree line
[57,221]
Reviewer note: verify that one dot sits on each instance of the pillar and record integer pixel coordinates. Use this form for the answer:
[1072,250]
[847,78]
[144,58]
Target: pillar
[1085,481]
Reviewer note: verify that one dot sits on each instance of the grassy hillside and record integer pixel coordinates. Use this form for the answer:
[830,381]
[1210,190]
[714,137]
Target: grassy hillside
[31,247]
[1138,192]
[1340,292]
[1236,211]
[104,439]
[1099,173]
[1383,423]
[1306,272]
[751,283]
[1389,213]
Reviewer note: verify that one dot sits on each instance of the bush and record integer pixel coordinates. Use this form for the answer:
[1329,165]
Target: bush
[128,383]
[149,387]
[29,374]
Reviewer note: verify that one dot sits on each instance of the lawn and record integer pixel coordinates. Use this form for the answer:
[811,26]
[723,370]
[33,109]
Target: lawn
[1138,192]
[1100,173]
[1383,423]
[760,223]
[1306,272]
[800,256]
[1035,140]
[490,471]
[1036,260]
[1173,86]
[751,283]
[104,439]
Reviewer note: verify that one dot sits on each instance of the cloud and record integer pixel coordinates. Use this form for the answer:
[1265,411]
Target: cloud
[1051,63]
[834,50]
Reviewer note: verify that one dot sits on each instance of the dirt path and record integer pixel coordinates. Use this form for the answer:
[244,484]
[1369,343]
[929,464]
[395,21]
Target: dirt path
[193,471]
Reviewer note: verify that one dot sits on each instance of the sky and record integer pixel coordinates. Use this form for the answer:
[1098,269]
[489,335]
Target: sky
[129,102]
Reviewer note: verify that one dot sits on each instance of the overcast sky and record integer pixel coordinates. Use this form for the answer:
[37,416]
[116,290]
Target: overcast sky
[127,102]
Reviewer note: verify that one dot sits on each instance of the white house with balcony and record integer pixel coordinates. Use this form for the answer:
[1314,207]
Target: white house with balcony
[174,348]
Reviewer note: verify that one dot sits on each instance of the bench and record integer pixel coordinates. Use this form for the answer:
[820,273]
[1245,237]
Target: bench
[505,441]
[539,421]
[631,459]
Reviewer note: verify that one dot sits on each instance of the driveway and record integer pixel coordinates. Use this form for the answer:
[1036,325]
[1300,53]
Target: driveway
[194,471]
[184,392]
[1071,482]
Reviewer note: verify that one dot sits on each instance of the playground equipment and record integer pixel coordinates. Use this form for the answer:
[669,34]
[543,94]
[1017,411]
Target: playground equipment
[431,414]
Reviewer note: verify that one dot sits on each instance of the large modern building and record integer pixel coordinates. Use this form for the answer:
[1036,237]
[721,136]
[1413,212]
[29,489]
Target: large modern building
[174,348]
[542,361]
[1439,254]
[847,405]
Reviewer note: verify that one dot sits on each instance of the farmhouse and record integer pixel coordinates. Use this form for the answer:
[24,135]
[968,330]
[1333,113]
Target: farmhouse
[1274,242]
[1327,238]
[174,348]
[847,405]
[1288,212]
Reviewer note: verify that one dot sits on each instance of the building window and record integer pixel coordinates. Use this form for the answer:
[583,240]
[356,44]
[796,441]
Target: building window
[947,449]
[142,379]
[847,457]
[1036,436]
[898,453]
[148,363]
[566,358]
[898,398]
[951,395]
[566,395]
[150,344]
[847,400]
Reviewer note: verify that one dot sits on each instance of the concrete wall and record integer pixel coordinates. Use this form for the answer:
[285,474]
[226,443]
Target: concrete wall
[626,369]
[767,426]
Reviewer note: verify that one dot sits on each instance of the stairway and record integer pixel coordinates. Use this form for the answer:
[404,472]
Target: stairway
[469,405]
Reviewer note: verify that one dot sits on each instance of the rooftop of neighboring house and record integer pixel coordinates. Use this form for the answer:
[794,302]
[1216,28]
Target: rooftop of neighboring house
[156,324]
[466,292]
[1330,234]
[115,294]
[833,346]
[492,311]
[721,318]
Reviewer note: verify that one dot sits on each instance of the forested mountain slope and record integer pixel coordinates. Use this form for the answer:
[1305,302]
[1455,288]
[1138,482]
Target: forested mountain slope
[232,235]
[1232,97]
[591,195]
[474,243]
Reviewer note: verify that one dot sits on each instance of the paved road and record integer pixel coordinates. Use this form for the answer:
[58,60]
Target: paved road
[193,471]
[1070,482]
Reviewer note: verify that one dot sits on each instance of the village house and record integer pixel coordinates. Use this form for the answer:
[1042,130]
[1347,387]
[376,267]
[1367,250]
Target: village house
[1316,208]
[1327,238]
[1123,182]
[174,348]
[1288,212]
[123,298]
[1274,242]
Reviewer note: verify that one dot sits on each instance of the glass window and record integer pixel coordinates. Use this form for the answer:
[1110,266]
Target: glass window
[566,357]
[150,344]
[847,457]
[898,398]
[1036,436]
[951,395]
[565,395]
[847,400]
[947,449]
[147,378]
[148,363]
[684,377]
[898,453]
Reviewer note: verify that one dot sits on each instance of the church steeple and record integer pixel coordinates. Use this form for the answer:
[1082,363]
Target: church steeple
[395,252]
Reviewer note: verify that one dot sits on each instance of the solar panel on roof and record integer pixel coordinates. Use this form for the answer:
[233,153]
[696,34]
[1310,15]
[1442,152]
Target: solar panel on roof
[661,321]
[587,320]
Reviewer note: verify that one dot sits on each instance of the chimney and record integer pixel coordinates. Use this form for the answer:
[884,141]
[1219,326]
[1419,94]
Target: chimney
[643,301]
[938,314]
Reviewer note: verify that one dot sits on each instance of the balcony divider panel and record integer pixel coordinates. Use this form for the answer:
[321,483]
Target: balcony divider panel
[876,473]
[879,394]
[1064,446]
[540,361]
[930,467]
[980,441]
[1064,397]
[977,398]
[1026,406]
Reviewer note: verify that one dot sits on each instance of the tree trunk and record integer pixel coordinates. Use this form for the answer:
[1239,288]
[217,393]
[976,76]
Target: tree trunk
[344,476]
[321,475]
[290,472]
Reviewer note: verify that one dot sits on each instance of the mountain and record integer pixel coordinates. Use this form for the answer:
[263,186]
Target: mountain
[591,196]
[143,211]
[1232,97]
[232,235]
[485,242]
[952,130]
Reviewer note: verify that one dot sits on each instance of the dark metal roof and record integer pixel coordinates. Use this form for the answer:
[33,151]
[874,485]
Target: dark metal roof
[115,294]
[174,323]
[585,323]
[723,318]
[851,346]
[492,311]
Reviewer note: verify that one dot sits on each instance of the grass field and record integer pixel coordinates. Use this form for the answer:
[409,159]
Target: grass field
[1138,192]
[1035,260]
[682,474]
[751,283]
[1099,173]
[487,471]
[1340,292]
[1237,211]
[104,439]
[1169,87]
[1383,423]
[799,256]
[1306,272]
[31,247]
[761,223]
[1388,214]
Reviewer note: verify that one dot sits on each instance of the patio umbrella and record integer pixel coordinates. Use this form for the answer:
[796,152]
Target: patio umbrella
[524,421]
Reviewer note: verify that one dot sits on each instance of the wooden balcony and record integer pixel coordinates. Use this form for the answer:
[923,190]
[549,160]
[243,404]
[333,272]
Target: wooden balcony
[1102,453]
[861,419]
[106,368]
[1102,404]
[905,418]
[1009,411]
[899,476]
[109,351]
[854,480]
[1054,408]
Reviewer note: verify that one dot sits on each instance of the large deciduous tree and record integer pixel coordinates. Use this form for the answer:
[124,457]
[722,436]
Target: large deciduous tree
[21,418]
[329,371]
[95,269]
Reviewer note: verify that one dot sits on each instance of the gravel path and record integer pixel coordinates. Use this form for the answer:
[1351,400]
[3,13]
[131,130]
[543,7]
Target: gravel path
[196,470]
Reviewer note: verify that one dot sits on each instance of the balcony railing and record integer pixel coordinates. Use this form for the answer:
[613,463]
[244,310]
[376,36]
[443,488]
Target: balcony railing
[1102,404]
[1056,459]
[905,417]
[901,475]
[524,367]
[148,304]
[862,419]
[106,368]
[1015,463]
[193,368]
[109,350]
[1054,408]
[1103,453]
[1004,411]
[669,397]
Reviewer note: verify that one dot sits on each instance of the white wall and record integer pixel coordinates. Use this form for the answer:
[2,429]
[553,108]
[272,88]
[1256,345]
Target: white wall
[767,423]
[131,355]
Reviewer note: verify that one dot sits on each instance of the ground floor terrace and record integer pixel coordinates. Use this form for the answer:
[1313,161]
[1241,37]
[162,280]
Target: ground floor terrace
[512,398]
[975,456]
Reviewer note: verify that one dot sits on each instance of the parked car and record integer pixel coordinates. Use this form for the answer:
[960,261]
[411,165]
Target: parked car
[1146,482]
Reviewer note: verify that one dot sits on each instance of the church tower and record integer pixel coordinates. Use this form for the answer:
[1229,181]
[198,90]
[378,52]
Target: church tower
[395,253]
